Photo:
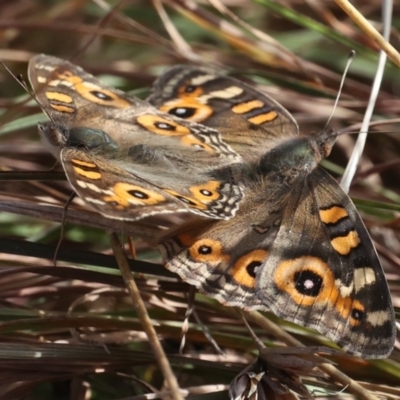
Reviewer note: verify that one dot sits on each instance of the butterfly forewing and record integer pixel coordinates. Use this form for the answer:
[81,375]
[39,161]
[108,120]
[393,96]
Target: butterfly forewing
[250,121]
[360,279]
[120,132]
[322,270]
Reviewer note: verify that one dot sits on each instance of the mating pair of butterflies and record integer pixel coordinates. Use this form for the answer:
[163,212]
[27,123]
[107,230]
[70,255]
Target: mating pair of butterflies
[278,233]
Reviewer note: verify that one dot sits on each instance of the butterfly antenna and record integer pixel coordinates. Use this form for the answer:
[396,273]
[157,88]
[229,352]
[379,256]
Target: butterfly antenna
[23,84]
[346,69]
[18,78]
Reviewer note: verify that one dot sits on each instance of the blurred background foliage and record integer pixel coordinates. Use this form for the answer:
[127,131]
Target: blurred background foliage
[70,332]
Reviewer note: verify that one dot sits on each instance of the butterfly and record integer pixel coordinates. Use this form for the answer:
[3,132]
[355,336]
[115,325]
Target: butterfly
[125,158]
[297,245]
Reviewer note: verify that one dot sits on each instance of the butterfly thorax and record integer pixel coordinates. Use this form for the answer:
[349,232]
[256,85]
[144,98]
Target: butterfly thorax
[292,159]
[59,136]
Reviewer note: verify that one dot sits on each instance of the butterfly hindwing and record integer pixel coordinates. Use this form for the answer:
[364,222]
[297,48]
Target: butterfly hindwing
[112,191]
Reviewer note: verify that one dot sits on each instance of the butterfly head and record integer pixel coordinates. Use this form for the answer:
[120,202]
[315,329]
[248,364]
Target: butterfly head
[324,142]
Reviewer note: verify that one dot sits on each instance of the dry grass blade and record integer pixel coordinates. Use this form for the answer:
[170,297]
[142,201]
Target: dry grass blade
[262,36]
[182,46]
[359,19]
[138,303]
[333,372]
[360,144]
[264,51]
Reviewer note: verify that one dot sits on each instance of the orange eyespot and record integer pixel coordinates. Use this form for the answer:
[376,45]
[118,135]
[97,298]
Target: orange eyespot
[245,269]
[207,192]
[187,109]
[125,194]
[162,126]
[309,280]
[208,250]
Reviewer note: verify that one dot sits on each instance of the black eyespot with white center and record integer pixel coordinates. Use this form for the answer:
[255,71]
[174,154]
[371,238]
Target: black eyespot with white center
[190,88]
[138,194]
[358,315]
[205,192]
[183,112]
[101,95]
[308,283]
[164,126]
[252,268]
[205,249]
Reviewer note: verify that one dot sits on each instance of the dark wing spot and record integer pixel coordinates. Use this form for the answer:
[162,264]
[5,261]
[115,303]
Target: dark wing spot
[138,194]
[101,95]
[190,88]
[252,268]
[308,283]
[205,249]
[165,126]
[358,315]
[183,112]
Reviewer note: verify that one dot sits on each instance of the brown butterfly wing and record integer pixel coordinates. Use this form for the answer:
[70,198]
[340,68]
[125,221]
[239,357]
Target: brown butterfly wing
[249,121]
[186,161]
[72,97]
[297,247]
[112,191]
